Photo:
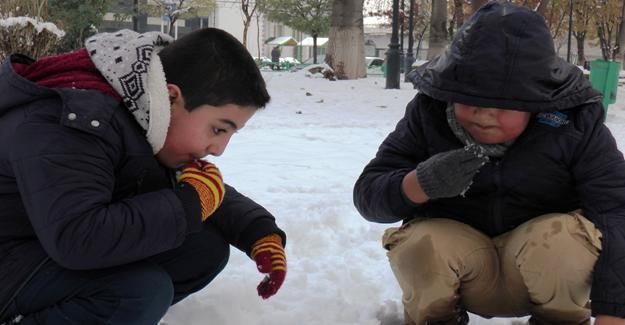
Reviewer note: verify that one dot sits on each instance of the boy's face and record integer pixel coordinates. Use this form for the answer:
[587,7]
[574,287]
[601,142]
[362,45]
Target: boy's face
[204,131]
[491,125]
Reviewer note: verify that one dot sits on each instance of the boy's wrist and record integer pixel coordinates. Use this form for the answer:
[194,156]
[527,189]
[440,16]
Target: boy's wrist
[411,189]
[191,205]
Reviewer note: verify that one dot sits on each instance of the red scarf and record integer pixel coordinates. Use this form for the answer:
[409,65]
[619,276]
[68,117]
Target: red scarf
[67,70]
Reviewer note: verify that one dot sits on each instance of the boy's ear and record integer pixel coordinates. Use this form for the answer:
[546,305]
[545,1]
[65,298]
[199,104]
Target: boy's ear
[175,94]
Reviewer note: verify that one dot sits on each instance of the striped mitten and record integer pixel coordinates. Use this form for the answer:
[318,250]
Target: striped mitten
[271,259]
[206,179]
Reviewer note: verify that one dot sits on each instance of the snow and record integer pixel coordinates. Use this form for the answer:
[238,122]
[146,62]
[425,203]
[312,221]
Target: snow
[299,158]
[37,23]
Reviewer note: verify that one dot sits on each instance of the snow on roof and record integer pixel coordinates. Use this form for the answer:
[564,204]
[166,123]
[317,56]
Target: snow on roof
[308,41]
[37,23]
[283,40]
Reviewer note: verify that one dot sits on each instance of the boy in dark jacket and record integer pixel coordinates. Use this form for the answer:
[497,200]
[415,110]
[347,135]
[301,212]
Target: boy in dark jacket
[510,187]
[95,225]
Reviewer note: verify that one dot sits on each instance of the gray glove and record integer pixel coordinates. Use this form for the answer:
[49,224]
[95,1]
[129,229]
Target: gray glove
[450,173]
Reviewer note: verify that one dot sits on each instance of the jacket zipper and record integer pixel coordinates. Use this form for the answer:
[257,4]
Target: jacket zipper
[22,285]
[173,180]
[496,208]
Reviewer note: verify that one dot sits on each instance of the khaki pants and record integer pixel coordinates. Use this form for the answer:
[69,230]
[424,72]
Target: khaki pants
[542,268]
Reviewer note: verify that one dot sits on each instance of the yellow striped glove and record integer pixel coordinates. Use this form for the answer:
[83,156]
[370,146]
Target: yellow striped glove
[270,258]
[206,179]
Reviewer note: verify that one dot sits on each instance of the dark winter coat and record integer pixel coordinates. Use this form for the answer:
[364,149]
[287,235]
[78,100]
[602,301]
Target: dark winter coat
[566,159]
[275,55]
[90,195]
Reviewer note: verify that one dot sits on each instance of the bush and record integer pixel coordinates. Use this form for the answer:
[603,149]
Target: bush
[28,36]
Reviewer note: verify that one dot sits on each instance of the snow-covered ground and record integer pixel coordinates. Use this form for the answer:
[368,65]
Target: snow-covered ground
[299,158]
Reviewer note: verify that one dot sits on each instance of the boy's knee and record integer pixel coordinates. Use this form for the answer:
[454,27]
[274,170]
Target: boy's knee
[556,259]
[443,247]
[564,243]
[147,288]
[442,237]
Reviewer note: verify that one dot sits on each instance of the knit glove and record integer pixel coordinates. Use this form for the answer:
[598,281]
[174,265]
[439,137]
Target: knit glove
[269,256]
[206,179]
[450,173]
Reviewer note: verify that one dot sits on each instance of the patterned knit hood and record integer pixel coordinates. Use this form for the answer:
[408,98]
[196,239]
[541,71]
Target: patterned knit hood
[130,64]
[504,57]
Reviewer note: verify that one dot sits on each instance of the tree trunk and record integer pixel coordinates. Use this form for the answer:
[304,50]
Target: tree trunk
[420,41]
[258,35]
[458,13]
[246,27]
[438,31]
[581,56]
[172,22]
[314,36]
[345,52]
[621,38]
[477,4]
[248,9]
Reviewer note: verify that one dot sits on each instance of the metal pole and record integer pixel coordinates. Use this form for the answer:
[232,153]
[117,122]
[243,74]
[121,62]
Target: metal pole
[392,55]
[135,15]
[568,46]
[409,53]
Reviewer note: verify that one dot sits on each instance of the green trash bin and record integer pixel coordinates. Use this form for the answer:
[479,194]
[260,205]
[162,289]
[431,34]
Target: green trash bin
[604,78]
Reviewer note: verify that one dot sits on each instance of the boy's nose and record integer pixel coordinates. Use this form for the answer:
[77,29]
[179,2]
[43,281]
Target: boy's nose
[217,149]
[486,112]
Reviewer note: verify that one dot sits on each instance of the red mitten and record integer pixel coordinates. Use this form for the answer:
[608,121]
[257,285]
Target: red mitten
[270,258]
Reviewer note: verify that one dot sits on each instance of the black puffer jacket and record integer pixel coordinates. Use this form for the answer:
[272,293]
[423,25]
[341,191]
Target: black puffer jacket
[90,197]
[566,159]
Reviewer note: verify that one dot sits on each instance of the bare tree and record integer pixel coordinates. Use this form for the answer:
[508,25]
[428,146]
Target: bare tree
[608,21]
[173,10]
[345,51]
[457,18]
[438,30]
[422,22]
[248,9]
[582,15]
[621,38]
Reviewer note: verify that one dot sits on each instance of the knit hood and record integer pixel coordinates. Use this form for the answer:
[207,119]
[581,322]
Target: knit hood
[504,57]
[130,63]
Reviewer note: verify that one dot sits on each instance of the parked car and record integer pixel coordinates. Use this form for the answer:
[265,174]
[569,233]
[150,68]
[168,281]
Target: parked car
[320,60]
[374,65]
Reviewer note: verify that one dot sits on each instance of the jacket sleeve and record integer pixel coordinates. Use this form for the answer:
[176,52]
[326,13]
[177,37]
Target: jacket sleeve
[377,193]
[66,179]
[599,172]
[243,221]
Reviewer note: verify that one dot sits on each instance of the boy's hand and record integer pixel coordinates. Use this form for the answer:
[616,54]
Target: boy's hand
[270,258]
[206,179]
[450,173]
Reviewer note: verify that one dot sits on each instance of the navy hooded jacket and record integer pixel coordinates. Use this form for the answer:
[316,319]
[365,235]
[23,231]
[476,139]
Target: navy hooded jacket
[566,159]
[91,195]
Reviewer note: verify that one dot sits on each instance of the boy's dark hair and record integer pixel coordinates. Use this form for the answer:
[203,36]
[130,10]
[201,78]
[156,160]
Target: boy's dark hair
[212,67]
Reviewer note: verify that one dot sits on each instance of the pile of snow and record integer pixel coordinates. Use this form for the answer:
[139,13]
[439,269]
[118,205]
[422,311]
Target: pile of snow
[300,158]
[37,23]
